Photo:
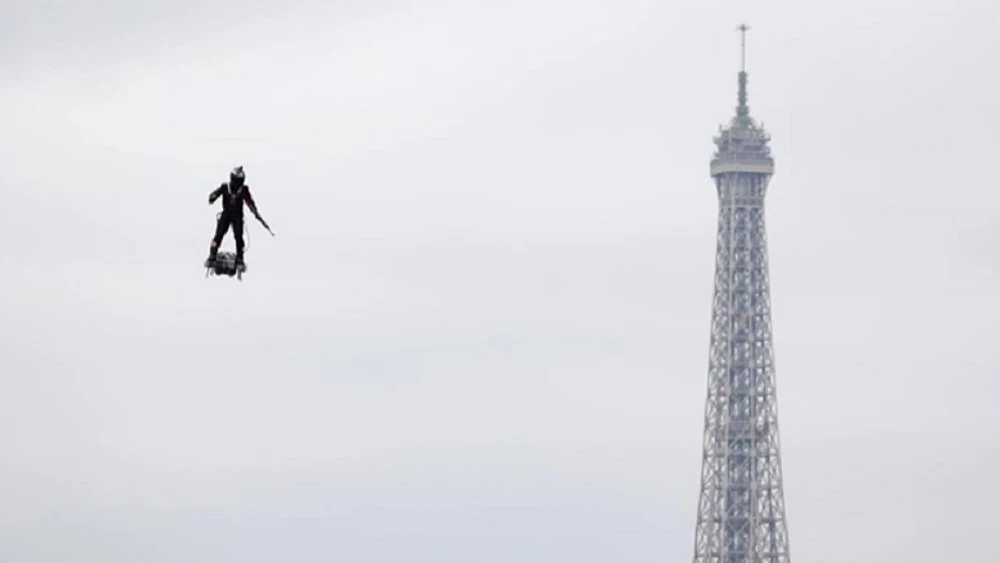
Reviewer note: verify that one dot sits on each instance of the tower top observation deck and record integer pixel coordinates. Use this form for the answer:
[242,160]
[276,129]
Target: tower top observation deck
[743,145]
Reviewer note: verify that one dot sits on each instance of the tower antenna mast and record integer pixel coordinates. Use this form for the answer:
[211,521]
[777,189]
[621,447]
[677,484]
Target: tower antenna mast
[743,46]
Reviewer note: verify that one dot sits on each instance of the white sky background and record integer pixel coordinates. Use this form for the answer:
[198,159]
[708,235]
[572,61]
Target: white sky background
[481,333]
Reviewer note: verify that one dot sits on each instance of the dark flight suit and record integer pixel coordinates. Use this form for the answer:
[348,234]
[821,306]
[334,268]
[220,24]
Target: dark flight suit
[233,197]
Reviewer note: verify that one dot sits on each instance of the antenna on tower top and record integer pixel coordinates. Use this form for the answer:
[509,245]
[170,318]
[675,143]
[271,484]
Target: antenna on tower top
[741,108]
[743,46]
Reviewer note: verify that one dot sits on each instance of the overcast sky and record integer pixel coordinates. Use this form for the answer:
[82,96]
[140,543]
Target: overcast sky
[481,332]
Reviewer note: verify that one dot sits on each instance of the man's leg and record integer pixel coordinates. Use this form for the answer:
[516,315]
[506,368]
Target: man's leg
[220,231]
[238,235]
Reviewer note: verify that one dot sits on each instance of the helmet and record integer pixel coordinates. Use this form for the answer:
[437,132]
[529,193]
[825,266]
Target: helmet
[236,176]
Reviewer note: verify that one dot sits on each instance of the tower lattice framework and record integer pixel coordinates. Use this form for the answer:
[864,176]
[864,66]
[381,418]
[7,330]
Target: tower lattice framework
[741,512]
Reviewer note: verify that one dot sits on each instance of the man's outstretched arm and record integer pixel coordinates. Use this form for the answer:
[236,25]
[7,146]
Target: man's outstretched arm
[248,197]
[215,194]
[253,208]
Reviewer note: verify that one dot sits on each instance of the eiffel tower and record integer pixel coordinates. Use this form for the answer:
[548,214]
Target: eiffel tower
[741,512]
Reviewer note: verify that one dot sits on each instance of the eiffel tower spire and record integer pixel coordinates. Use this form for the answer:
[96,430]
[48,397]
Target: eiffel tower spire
[741,104]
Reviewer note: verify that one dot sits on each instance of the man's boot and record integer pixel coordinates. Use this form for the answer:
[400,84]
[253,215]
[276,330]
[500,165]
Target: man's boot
[212,252]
